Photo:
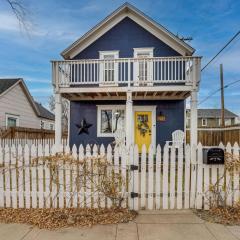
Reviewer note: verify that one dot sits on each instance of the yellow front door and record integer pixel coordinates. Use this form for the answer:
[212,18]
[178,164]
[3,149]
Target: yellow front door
[143,128]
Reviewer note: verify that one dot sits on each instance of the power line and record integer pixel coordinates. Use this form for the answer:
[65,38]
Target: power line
[221,49]
[219,89]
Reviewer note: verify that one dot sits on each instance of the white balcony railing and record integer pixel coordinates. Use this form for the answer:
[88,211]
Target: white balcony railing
[126,71]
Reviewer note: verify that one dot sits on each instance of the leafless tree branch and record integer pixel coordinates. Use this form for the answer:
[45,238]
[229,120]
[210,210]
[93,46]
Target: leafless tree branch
[21,13]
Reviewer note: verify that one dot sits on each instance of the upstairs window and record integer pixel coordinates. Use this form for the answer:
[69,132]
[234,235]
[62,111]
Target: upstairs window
[109,68]
[110,119]
[143,68]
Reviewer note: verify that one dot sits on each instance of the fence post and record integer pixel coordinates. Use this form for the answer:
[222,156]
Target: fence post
[199,176]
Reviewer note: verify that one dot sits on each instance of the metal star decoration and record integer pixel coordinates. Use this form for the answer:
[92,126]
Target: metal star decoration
[83,127]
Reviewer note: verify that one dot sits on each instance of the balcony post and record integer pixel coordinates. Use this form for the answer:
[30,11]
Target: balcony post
[58,120]
[129,120]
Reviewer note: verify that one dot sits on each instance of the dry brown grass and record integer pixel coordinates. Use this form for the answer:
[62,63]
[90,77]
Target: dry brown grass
[58,218]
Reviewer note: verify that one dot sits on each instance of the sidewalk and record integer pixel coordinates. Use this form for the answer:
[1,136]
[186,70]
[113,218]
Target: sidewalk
[149,225]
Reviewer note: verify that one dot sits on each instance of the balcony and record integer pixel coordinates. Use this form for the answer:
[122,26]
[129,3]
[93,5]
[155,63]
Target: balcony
[137,74]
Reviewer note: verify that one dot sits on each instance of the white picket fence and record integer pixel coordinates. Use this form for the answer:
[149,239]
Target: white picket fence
[29,142]
[165,179]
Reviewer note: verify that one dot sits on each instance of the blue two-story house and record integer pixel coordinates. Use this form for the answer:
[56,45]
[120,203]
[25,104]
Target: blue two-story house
[127,74]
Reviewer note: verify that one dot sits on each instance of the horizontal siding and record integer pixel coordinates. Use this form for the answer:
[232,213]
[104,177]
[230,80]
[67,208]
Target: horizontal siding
[15,102]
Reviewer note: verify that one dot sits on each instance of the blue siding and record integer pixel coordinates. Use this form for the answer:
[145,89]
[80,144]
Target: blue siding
[125,36]
[173,110]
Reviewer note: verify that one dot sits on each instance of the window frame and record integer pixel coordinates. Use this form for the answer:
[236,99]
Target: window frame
[149,76]
[9,115]
[204,119]
[107,107]
[115,53]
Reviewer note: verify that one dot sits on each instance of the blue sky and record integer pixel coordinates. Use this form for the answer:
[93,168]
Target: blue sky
[57,23]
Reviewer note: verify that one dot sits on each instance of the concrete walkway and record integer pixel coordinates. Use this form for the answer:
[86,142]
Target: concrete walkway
[176,225]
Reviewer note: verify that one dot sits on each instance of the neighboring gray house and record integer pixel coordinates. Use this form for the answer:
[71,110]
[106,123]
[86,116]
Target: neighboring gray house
[212,118]
[18,108]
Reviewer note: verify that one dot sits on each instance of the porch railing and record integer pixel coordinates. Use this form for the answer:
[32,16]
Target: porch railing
[126,71]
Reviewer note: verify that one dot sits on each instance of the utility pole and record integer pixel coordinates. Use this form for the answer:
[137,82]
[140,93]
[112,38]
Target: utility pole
[222,97]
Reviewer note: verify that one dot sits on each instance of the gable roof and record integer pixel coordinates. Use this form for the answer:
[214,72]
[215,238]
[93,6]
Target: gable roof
[127,10]
[215,113]
[7,83]
[44,113]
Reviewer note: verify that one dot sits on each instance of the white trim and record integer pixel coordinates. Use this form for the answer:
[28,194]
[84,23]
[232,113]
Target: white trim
[10,115]
[154,127]
[109,22]
[204,119]
[114,53]
[107,107]
[139,50]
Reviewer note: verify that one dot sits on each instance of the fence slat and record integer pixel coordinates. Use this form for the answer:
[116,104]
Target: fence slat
[81,158]
[158,177]
[13,175]
[7,176]
[143,176]
[1,177]
[187,177]
[47,193]
[180,178]
[236,174]
[172,176]
[229,179]
[27,176]
[136,178]
[165,176]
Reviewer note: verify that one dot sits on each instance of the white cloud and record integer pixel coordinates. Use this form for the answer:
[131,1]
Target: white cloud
[8,22]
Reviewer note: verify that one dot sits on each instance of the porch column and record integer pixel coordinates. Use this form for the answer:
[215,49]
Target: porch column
[194,119]
[129,119]
[58,120]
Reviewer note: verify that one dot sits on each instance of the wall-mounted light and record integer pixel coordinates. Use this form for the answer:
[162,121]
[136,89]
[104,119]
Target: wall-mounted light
[161,117]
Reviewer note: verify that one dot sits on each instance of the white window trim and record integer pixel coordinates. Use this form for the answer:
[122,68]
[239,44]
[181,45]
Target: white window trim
[101,67]
[11,116]
[204,125]
[141,50]
[107,107]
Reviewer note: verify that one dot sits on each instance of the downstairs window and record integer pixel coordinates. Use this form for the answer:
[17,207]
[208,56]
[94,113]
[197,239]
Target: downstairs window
[110,119]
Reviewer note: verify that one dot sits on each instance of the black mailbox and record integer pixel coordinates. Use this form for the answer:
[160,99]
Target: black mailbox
[213,156]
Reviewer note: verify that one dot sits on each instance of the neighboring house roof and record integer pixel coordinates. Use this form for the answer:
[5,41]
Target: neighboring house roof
[6,84]
[127,10]
[44,113]
[215,113]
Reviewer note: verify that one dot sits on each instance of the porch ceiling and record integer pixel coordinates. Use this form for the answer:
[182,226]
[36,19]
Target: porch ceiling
[136,95]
